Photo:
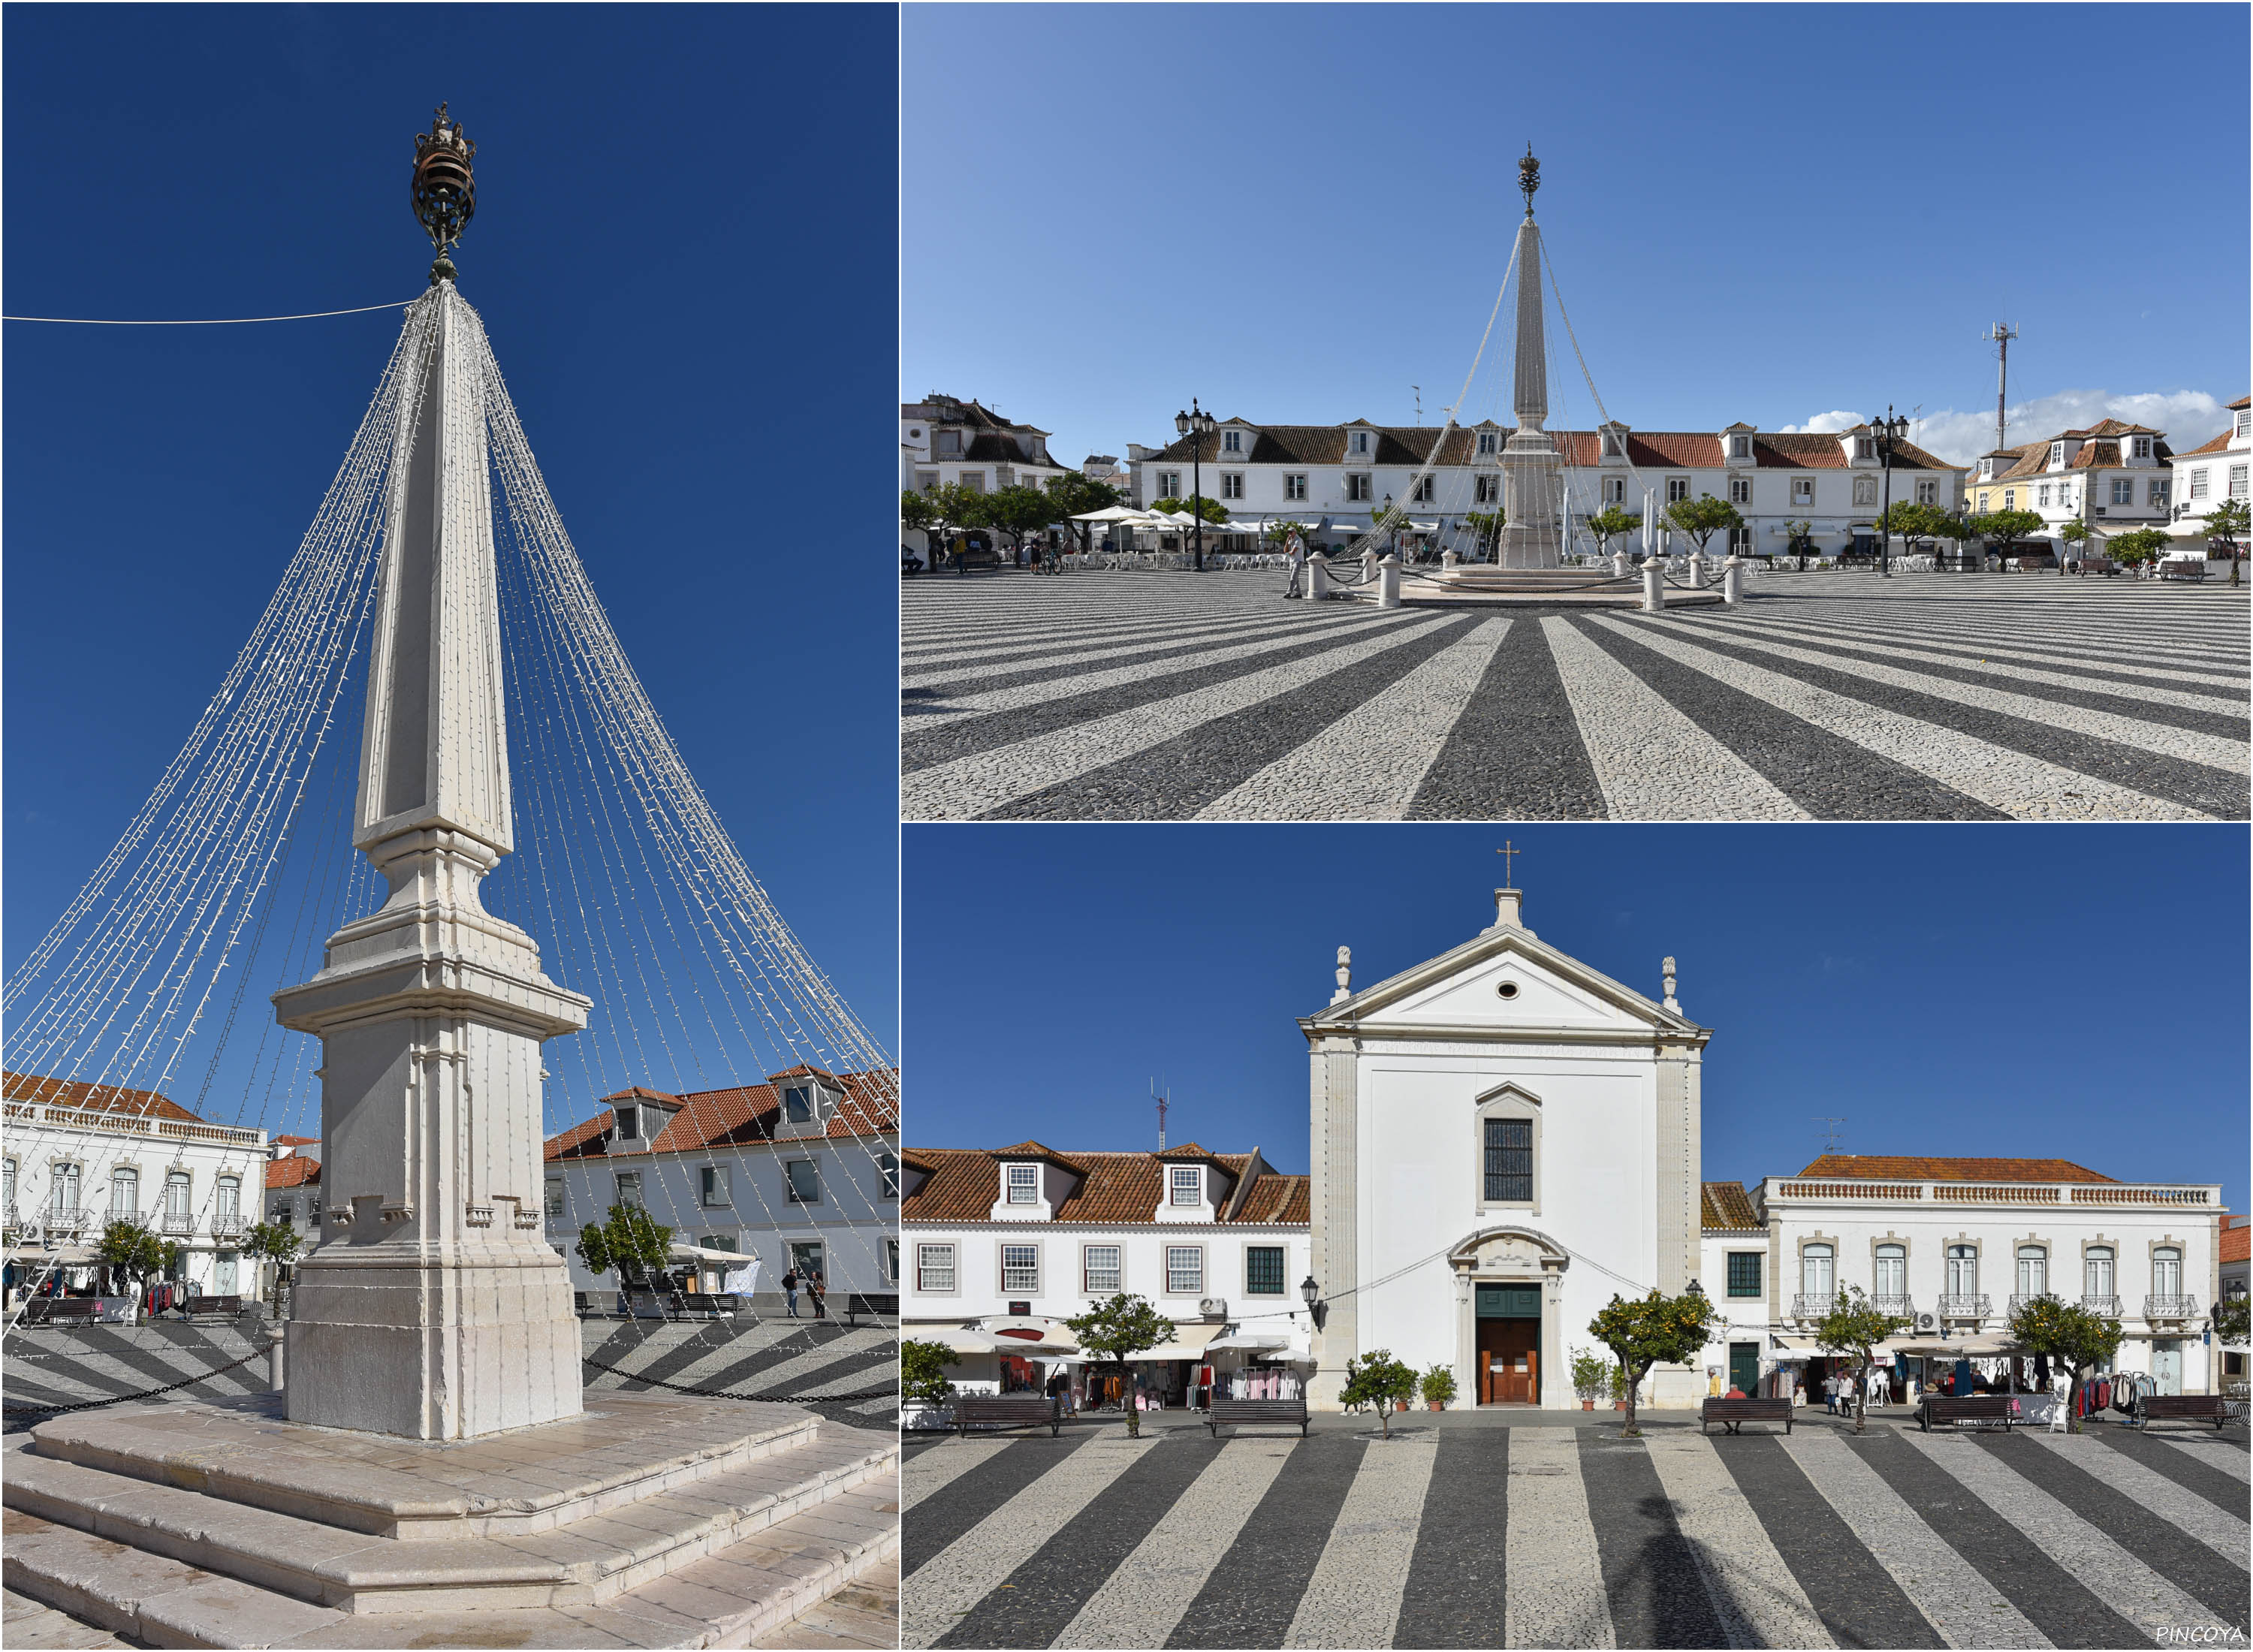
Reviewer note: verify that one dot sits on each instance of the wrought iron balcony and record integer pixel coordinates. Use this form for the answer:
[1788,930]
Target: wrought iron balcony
[227,1225]
[2104,1306]
[1898,1307]
[1813,1304]
[2170,1307]
[179,1222]
[1965,1306]
[2019,1301]
[63,1220]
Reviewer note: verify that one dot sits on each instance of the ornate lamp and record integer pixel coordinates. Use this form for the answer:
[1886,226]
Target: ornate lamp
[445,190]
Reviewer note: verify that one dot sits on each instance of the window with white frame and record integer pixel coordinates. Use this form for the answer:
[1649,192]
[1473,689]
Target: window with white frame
[891,1261]
[1424,492]
[1818,1269]
[1020,1269]
[1186,1184]
[2057,453]
[2010,498]
[1741,447]
[1983,501]
[1185,1269]
[1677,488]
[1024,1181]
[973,481]
[1231,440]
[2034,1270]
[1232,484]
[2245,423]
[1740,489]
[227,1197]
[1357,484]
[1485,489]
[629,1189]
[1865,490]
[1263,1270]
[2236,481]
[1294,485]
[179,1194]
[1360,441]
[712,1184]
[2198,482]
[2143,448]
[1101,1270]
[552,1201]
[124,1192]
[1928,492]
[2096,1270]
[62,1190]
[1803,490]
[802,1179]
[2157,494]
[2166,1270]
[888,1168]
[1614,489]
[1169,484]
[1486,442]
[8,1185]
[1004,476]
[935,1268]
[1892,1271]
[1614,447]
[1962,1269]
[2042,494]
[2124,490]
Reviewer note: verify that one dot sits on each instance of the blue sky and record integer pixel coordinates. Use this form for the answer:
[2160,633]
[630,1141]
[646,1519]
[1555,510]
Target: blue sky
[684,252]
[2071,991]
[1297,213]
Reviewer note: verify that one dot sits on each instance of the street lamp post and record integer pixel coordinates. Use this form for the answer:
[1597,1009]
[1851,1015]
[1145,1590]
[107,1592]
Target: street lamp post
[1311,1293]
[1890,430]
[1391,528]
[1194,424]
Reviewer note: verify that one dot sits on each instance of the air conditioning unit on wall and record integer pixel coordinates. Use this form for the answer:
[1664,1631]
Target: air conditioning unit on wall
[1214,1308]
[1927,1321]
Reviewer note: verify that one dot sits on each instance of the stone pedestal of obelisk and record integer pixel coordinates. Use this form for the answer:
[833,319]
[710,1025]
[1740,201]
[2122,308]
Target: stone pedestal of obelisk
[1532,470]
[431,1305]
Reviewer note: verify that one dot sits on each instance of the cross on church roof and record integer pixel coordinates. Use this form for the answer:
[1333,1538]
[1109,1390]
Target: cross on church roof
[1507,853]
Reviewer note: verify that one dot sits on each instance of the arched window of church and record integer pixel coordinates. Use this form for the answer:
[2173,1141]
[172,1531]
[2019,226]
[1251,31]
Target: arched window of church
[1509,1161]
[1816,1269]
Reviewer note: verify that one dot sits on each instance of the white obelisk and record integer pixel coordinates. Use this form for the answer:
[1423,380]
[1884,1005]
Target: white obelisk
[1532,472]
[431,1305]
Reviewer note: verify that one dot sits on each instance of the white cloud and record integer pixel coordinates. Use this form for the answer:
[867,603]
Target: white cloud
[2187,416]
[1825,423]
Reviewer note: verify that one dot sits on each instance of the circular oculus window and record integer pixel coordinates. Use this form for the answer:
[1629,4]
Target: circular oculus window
[1508,989]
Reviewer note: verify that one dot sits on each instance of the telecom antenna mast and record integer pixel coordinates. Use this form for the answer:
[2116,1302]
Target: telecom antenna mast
[1162,1098]
[2001,335]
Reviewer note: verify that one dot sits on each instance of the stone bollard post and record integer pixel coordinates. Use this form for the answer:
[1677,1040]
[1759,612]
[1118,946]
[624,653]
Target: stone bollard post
[1318,578]
[275,1342]
[1621,563]
[1654,587]
[1448,558]
[1697,571]
[1368,566]
[1388,583]
[1732,582]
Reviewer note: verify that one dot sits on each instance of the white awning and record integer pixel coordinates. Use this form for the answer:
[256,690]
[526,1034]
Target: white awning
[1188,1341]
[955,1338]
[1248,1340]
[680,1251]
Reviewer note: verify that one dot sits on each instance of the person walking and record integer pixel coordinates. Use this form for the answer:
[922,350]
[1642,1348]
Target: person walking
[817,1288]
[790,1283]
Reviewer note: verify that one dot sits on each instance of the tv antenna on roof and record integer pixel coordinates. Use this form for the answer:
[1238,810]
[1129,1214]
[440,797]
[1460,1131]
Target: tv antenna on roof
[1419,390]
[1162,1097]
[1831,1135]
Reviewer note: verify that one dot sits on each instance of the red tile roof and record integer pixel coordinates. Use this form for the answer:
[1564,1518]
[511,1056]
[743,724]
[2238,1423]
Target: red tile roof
[1113,1188]
[709,1119]
[292,1172]
[1727,1207]
[1845,1166]
[2217,445]
[2236,1239]
[296,1141]
[91,1098]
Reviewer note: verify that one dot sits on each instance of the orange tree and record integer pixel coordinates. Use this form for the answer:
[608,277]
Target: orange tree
[1653,1330]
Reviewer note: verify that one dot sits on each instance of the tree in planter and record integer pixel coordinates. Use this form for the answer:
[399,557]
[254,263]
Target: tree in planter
[1799,541]
[2138,546]
[1379,1379]
[1854,1327]
[1702,517]
[2001,528]
[629,1241]
[271,1242]
[2074,535]
[1073,494]
[949,510]
[1904,520]
[1609,523]
[923,1372]
[1591,1374]
[2068,1334]
[1653,1330]
[1118,1331]
[133,1253]
[1017,511]
[1437,1386]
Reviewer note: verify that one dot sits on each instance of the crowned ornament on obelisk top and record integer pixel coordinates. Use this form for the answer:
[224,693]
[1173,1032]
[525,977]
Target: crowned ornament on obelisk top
[1532,470]
[431,1304]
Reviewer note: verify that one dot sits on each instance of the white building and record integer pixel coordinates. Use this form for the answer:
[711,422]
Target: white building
[1006,1244]
[1340,475]
[2111,475]
[1503,1138]
[802,1172]
[944,440]
[2215,471]
[1957,1245]
[78,1154]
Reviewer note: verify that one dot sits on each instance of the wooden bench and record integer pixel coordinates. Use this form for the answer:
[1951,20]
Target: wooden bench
[212,1307]
[1730,1412]
[2181,568]
[55,1310]
[1968,1408]
[2184,1408]
[1237,1413]
[972,556]
[711,1305]
[874,1304]
[1007,1411]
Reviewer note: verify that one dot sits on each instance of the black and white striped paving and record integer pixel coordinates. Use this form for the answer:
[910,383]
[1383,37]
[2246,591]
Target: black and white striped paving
[1113,696]
[849,1375]
[1555,1535]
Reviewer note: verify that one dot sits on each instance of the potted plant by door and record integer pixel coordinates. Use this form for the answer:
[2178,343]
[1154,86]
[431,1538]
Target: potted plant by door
[1589,1373]
[1438,1386]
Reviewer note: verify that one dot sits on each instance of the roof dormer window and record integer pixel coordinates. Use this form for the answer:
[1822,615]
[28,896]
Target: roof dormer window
[1865,447]
[801,1104]
[1023,1182]
[1231,440]
[2143,448]
[2245,423]
[1741,447]
[2057,453]
[1186,1185]
[950,444]
[1361,441]
[1486,443]
[629,1123]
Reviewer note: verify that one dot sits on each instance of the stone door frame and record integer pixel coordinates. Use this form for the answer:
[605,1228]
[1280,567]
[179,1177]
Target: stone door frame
[1512,1253]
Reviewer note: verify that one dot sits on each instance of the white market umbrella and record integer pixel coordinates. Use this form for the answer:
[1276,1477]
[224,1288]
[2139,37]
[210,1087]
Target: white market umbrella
[1111,514]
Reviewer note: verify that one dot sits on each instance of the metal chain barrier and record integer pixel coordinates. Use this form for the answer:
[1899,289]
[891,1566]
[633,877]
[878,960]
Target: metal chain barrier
[123,1399]
[722,1393]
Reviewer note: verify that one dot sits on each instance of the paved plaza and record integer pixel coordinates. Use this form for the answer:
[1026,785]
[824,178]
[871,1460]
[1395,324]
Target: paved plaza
[1118,695]
[849,1375]
[1463,1531]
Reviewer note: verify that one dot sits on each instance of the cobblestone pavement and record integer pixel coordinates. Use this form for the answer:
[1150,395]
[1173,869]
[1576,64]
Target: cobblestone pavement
[849,1375]
[1841,696]
[1558,1533]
